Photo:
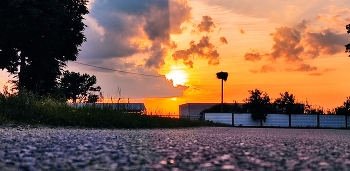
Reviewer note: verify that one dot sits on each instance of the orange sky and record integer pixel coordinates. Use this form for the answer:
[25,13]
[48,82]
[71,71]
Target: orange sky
[274,46]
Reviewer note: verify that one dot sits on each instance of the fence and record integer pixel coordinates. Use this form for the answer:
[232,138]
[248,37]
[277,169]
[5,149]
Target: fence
[281,120]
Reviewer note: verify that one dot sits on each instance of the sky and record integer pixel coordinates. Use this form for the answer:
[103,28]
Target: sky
[167,52]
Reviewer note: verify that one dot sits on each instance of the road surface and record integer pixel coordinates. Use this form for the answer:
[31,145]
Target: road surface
[208,148]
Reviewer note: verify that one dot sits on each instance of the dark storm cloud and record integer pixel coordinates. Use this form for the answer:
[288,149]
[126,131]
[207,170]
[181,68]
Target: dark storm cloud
[126,24]
[206,25]
[204,49]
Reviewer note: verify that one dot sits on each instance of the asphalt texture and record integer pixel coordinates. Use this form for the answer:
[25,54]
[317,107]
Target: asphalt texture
[209,148]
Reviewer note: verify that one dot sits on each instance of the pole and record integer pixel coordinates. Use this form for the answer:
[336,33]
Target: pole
[222,95]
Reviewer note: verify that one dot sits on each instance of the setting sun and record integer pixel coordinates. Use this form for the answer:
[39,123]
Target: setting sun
[178,76]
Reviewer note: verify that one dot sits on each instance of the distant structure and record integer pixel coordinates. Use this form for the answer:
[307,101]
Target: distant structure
[131,108]
[192,110]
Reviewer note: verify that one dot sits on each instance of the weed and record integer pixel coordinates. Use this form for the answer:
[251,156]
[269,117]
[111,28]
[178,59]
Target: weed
[28,108]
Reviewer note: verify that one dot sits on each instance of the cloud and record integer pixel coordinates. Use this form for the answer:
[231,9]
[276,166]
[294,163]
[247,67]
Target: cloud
[300,44]
[264,69]
[323,72]
[287,44]
[253,71]
[267,68]
[254,56]
[134,86]
[325,42]
[133,27]
[204,49]
[336,17]
[223,40]
[206,25]
[315,74]
[241,31]
[302,25]
[305,68]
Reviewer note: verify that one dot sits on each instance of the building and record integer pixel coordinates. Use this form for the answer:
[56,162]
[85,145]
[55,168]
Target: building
[192,110]
[131,108]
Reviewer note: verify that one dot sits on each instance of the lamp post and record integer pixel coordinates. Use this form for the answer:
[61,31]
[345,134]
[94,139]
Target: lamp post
[223,76]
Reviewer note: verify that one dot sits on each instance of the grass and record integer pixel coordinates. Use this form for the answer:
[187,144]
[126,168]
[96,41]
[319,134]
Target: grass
[29,109]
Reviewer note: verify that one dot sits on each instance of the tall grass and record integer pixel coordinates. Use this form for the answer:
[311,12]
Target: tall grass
[27,108]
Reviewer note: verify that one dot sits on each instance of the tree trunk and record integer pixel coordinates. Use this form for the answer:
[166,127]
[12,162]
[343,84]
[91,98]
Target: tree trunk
[21,84]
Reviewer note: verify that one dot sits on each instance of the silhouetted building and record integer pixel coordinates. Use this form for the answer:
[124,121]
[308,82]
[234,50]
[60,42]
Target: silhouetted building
[192,110]
[131,108]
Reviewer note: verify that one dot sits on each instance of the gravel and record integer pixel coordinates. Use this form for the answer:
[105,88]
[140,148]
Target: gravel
[208,148]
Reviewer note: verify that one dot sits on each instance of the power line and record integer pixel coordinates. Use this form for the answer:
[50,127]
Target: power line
[148,75]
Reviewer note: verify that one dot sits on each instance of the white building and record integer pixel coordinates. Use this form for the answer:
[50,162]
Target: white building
[192,110]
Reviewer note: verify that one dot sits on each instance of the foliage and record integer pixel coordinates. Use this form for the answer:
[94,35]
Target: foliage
[308,109]
[76,86]
[258,104]
[222,75]
[38,37]
[286,104]
[28,108]
[344,109]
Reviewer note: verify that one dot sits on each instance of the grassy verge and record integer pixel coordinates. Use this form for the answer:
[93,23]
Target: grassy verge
[29,109]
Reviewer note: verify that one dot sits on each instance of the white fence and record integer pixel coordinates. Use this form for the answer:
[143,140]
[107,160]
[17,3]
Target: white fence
[225,118]
[281,120]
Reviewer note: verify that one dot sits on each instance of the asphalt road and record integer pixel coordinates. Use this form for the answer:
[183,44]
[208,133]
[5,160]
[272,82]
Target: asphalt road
[174,149]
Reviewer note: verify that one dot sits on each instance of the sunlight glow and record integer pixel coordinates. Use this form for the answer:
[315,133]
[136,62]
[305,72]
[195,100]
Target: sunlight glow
[178,76]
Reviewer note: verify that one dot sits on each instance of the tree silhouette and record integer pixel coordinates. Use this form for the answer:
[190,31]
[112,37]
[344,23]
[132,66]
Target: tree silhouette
[258,104]
[347,46]
[345,109]
[286,104]
[223,76]
[38,37]
[76,86]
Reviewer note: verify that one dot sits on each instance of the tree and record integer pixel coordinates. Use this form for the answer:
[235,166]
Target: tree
[345,109]
[223,76]
[76,86]
[37,38]
[286,104]
[347,46]
[258,104]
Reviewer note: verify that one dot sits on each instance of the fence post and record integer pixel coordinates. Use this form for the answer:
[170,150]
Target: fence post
[346,121]
[290,120]
[233,119]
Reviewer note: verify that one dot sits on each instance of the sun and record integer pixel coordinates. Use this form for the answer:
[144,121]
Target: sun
[177,75]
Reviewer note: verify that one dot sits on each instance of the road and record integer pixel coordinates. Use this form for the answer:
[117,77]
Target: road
[209,148]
